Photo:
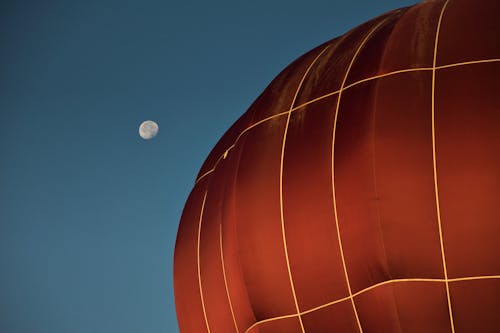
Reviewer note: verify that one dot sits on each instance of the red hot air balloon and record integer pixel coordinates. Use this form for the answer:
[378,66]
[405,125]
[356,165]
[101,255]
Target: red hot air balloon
[360,191]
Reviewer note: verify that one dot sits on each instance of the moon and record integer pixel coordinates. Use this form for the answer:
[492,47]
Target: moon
[148,129]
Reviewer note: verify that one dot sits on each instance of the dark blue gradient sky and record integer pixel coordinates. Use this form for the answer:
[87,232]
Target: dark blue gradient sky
[88,210]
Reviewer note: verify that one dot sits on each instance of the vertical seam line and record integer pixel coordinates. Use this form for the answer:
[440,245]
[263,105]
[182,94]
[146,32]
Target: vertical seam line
[434,162]
[225,279]
[198,262]
[333,169]
[281,188]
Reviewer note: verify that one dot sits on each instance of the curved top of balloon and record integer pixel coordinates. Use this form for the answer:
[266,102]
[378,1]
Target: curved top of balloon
[359,192]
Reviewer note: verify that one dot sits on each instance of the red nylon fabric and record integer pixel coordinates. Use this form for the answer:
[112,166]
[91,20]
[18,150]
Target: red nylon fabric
[399,229]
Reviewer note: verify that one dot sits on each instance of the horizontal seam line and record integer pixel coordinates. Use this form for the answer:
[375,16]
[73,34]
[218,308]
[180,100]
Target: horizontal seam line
[362,291]
[407,70]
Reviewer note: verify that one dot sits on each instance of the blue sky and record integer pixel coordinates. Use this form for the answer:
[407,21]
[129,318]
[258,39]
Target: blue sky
[88,210]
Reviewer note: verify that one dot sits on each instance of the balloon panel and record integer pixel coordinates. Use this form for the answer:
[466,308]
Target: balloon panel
[468,166]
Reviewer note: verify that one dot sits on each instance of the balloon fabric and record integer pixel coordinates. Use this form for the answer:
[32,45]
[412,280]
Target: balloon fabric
[359,192]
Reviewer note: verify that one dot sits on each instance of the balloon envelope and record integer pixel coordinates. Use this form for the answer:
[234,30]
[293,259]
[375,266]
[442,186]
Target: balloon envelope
[359,192]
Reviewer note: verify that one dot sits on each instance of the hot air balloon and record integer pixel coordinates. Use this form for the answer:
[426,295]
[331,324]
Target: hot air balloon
[360,191]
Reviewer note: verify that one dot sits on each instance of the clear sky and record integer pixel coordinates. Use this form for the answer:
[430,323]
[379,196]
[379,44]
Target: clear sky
[88,210]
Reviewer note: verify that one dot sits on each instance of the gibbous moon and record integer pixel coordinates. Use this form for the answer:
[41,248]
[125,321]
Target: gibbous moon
[148,129]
